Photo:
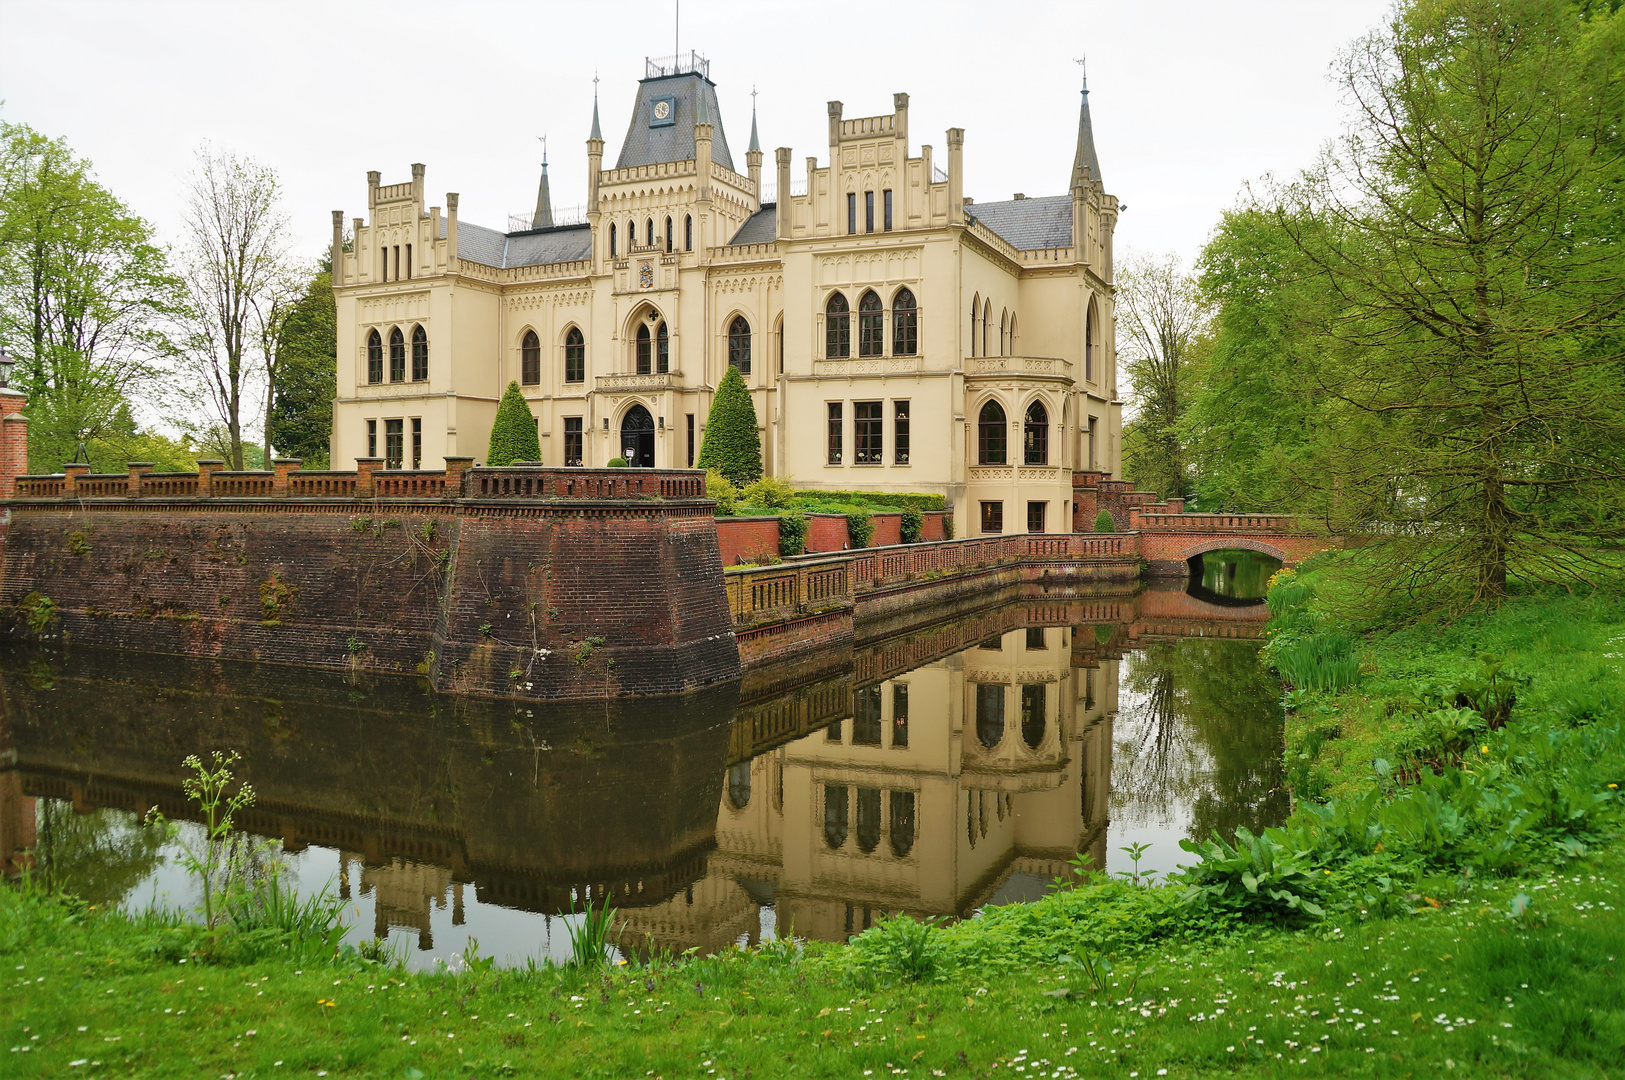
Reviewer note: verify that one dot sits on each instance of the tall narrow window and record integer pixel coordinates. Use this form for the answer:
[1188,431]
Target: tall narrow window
[868,211]
[837,810]
[409,262]
[393,436]
[851,212]
[1092,443]
[1015,349]
[837,328]
[989,714]
[993,517]
[572,440]
[899,715]
[575,356]
[902,823]
[868,424]
[739,345]
[778,337]
[662,350]
[612,239]
[372,438]
[383,264]
[688,232]
[990,435]
[397,355]
[899,432]
[1036,512]
[645,357]
[835,426]
[530,359]
[417,442]
[375,358]
[1004,337]
[1035,639]
[868,819]
[987,318]
[887,197]
[631,236]
[397,262]
[668,236]
[1033,716]
[1089,345]
[871,326]
[649,232]
[905,324]
[420,354]
[1035,436]
[975,317]
[866,716]
[691,440]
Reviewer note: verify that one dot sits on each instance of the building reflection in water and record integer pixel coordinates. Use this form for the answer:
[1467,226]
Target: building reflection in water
[932,772]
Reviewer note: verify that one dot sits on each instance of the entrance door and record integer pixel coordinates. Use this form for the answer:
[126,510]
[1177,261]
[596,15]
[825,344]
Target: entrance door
[638,438]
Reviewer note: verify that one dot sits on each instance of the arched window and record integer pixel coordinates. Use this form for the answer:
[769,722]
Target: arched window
[668,236]
[645,358]
[871,326]
[975,317]
[662,350]
[1032,715]
[375,358]
[1089,345]
[397,355]
[868,819]
[420,354]
[739,785]
[987,317]
[739,345]
[612,239]
[902,823]
[778,342]
[1004,332]
[989,714]
[530,359]
[837,328]
[688,232]
[1015,350]
[649,232]
[990,435]
[905,324]
[1035,436]
[631,236]
[575,356]
[837,813]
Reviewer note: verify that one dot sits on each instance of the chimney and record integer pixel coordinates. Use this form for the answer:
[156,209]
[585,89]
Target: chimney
[956,176]
[781,158]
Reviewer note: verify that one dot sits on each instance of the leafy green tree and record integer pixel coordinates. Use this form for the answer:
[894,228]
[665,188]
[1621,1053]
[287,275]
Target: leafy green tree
[732,445]
[513,432]
[1162,320]
[86,302]
[306,375]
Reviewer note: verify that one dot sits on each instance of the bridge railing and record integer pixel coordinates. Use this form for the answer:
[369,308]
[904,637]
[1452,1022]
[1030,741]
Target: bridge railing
[1151,521]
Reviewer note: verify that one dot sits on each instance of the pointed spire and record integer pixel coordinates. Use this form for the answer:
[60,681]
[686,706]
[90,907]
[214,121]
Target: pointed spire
[543,218]
[755,143]
[1085,164]
[596,134]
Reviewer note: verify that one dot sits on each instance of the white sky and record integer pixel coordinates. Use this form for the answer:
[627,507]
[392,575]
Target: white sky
[1191,98]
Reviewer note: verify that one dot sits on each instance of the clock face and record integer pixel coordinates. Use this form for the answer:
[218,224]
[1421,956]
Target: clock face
[662,109]
[663,112]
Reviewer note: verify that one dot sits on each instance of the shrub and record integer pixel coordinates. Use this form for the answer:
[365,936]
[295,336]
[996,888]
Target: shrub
[947,526]
[793,533]
[1316,662]
[770,491]
[617,463]
[902,947]
[1104,522]
[513,432]
[731,444]
[860,528]
[718,487]
[913,523]
[879,498]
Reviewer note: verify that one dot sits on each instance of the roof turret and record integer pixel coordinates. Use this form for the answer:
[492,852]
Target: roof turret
[543,218]
[1085,164]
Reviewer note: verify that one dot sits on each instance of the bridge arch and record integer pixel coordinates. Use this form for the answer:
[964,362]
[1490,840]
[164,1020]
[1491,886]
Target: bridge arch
[1236,543]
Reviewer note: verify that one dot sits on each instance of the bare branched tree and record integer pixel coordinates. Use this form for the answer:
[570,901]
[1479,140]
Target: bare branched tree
[238,274]
[1161,319]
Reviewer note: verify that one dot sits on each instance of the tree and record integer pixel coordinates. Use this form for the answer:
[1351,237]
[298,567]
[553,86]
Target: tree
[239,278]
[731,444]
[305,375]
[1468,228]
[513,432]
[1162,317]
[86,300]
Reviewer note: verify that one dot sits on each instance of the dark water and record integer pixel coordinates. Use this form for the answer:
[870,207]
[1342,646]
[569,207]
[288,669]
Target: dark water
[931,772]
[1234,575]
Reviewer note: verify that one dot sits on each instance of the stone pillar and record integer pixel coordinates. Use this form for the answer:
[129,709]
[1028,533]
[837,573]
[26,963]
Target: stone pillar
[338,247]
[364,468]
[456,467]
[451,230]
[71,474]
[280,468]
[956,176]
[13,440]
[206,468]
[1176,506]
[136,469]
[781,160]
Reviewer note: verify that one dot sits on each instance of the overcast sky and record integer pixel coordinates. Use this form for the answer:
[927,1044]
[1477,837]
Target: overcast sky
[1190,99]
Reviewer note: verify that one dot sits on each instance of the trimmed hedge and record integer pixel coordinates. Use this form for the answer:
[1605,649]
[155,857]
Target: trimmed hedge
[878,498]
[513,432]
[732,445]
[1104,522]
[792,533]
[913,522]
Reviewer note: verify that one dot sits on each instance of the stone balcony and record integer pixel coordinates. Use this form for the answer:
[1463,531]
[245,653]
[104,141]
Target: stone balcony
[638,384]
[1051,366]
[870,365]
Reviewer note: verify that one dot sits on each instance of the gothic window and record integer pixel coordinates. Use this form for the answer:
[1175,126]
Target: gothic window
[1015,350]
[868,211]
[649,232]
[837,811]
[668,236]
[1032,715]
[866,716]
[662,350]
[631,236]
[851,212]
[902,822]
[987,317]
[871,326]
[420,354]
[837,328]
[530,359]
[1089,348]
[575,356]
[1035,436]
[989,714]
[1004,333]
[397,355]
[375,358]
[990,435]
[688,232]
[888,209]
[612,239]
[975,316]
[645,358]
[739,345]
[905,324]
[868,819]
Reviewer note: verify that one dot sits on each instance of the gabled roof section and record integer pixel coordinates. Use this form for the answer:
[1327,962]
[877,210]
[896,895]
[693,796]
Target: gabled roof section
[760,228]
[1044,222]
[695,101]
[536,247]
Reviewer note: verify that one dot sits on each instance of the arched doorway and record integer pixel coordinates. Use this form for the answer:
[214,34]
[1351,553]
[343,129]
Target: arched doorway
[638,437]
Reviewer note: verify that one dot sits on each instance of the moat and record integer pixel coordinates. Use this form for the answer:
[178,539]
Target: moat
[939,771]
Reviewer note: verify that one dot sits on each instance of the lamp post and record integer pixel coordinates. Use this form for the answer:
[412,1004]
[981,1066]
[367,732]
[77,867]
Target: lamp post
[6,364]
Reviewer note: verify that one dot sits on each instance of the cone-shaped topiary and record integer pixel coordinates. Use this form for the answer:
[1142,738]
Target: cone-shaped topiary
[731,444]
[1104,522]
[513,432]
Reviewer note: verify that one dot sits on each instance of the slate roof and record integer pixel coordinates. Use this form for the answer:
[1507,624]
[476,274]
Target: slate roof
[563,243]
[760,228]
[1044,222]
[696,100]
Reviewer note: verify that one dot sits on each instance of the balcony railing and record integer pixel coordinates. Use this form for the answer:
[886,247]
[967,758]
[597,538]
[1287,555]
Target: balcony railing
[625,384]
[1018,365]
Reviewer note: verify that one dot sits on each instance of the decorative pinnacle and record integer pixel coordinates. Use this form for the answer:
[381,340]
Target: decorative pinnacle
[1084,64]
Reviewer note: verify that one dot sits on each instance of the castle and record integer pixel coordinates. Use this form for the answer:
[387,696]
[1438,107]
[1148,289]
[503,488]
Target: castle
[895,335]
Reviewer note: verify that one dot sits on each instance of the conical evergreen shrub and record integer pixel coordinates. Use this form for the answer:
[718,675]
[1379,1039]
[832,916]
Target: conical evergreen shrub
[731,444]
[513,432]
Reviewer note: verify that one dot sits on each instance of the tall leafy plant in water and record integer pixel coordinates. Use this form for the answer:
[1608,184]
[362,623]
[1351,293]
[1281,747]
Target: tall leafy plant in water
[219,859]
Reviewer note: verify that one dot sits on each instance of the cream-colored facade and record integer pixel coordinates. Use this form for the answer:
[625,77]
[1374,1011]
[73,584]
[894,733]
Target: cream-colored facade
[895,335]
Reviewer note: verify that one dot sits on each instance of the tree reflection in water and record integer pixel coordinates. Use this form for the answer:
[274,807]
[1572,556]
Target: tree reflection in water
[100,855]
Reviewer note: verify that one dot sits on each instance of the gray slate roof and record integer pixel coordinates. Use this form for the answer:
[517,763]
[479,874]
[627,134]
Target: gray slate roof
[760,228]
[564,243]
[645,145]
[1044,222]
